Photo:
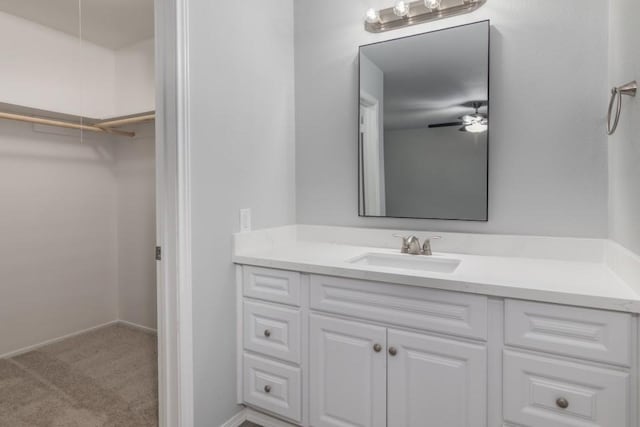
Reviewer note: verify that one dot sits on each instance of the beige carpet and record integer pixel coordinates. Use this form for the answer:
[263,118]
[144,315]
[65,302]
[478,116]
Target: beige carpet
[102,378]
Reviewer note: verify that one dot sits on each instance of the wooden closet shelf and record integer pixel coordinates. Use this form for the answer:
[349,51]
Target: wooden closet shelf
[109,126]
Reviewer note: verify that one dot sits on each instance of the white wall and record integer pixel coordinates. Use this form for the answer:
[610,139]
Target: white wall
[78,232]
[242,136]
[77,224]
[49,70]
[624,146]
[135,78]
[58,262]
[548,176]
[135,178]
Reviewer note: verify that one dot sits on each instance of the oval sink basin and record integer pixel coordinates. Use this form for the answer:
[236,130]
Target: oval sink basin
[432,264]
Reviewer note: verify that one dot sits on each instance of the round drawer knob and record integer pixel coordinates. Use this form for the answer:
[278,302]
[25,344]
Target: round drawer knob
[377,348]
[393,351]
[562,403]
[267,389]
[267,333]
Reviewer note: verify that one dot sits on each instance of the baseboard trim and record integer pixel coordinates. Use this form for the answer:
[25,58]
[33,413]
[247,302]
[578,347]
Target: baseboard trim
[55,340]
[137,326]
[33,347]
[236,420]
[265,420]
[251,415]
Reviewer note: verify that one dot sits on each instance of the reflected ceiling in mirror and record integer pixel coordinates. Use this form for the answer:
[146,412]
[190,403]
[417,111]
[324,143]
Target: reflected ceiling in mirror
[424,125]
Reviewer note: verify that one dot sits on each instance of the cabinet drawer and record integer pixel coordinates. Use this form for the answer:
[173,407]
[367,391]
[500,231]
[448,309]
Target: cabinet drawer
[433,310]
[273,331]
[272,285]
[598,335]
[537,388]
[273,387]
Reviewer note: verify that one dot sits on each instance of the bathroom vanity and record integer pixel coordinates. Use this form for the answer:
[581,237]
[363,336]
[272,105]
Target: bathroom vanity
[337,328]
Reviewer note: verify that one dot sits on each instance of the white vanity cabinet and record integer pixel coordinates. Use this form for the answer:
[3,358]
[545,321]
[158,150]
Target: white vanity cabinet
[324,351]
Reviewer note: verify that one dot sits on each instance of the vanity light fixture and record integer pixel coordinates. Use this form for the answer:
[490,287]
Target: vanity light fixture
[432,4]
[401,8]
[406,13]
[372,16]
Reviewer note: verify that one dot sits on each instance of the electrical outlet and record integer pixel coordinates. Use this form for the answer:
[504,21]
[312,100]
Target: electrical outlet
[245,220]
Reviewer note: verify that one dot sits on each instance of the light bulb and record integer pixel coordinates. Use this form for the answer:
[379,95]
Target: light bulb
[372,16]
[401,8]
[432,4]
[476,128]
[468,119]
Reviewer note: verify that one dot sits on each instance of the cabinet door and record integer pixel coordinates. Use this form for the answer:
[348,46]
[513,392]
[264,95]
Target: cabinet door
[348,373]
[435,382]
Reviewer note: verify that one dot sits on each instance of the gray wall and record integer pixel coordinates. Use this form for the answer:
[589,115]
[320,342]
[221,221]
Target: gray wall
[548,175]
[242,131]
[624,146]
[436,173]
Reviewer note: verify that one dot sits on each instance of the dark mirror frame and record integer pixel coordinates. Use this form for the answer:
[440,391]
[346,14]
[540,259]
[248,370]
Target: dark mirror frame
[358,143]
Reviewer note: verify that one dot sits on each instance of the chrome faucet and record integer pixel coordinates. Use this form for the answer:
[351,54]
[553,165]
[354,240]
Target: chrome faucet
[411,245]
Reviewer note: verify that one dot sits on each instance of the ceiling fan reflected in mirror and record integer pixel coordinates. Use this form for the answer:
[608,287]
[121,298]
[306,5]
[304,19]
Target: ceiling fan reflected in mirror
[472,123]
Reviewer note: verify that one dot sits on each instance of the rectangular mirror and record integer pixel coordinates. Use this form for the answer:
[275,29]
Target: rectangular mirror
[424,125]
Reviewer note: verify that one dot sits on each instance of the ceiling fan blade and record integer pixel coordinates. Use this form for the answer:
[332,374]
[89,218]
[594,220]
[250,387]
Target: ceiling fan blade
[444,125]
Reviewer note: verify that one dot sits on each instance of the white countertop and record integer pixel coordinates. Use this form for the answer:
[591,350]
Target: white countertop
[589,283]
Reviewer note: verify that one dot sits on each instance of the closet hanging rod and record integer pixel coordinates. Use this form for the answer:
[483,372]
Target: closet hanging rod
[62,124]
[126,121]
[100,127]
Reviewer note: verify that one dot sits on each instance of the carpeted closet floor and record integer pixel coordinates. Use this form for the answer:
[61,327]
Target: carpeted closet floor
[107,377]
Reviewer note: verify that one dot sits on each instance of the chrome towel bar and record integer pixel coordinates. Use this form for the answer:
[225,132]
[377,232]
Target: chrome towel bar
[628,89]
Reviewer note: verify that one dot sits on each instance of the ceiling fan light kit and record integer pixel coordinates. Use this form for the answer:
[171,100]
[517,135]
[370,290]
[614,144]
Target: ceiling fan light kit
[477,122]
[405,13]
[473,123]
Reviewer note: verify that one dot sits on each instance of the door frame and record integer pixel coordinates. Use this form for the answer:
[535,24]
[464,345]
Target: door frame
[372,167]
[173,215]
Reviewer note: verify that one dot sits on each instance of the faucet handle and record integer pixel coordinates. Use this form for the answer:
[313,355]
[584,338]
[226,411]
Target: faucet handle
[426,246]
[405,243]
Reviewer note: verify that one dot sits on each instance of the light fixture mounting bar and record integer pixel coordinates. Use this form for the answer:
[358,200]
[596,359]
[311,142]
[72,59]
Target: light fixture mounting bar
[419,13]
